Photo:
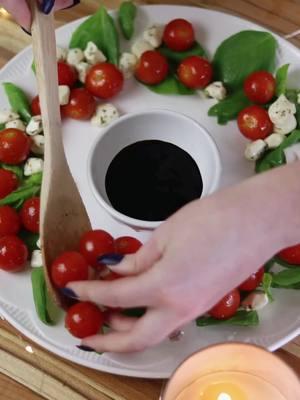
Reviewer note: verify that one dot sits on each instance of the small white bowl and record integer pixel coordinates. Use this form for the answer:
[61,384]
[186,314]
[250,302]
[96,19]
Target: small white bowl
[163,125]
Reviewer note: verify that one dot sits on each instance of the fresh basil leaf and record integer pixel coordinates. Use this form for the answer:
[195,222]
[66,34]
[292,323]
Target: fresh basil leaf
[266,285]
[292,95]
[287,277]
[16,169]
[110,39]
[2,126]
[241,318]
[30,239]
[285,264]
[230,107]
[45,308]
[134,312]
[275,158]
[127,15]
[29,188]
[169,86]
[281,79]
[243,53]
[18,100]
[178,56]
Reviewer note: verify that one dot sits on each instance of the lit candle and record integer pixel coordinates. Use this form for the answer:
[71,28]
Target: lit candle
[233,371]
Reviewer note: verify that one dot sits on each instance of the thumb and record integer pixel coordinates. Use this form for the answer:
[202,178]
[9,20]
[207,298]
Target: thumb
[134,264]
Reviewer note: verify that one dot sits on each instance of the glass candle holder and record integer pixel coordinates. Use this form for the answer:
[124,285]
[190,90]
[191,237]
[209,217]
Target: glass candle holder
[233,371]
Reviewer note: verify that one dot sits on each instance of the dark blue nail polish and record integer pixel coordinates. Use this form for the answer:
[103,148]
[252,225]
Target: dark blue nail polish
[69,293]
[73,5]
[85,348]
[110,259]
[47,6]
[24,30]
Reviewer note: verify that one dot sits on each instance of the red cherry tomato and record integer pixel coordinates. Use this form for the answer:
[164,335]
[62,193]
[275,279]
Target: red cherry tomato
[82,105]
[127,245]
[179,35]
[35,106]
[152,68]
[9,221]
[260,87]
[227,307]
[104,80]
[8,182]
[254,123]
[291,255]
[68,267]
[30,214]
[14,146]
[195,72]
[67,75]
[94,244]
[13,253]
[84,319]
[253,281]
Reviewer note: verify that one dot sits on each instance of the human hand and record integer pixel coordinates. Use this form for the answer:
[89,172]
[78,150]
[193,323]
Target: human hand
[20,9]
[196,257]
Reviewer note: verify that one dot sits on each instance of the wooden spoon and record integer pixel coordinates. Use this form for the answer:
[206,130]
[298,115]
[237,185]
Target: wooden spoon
[63,217]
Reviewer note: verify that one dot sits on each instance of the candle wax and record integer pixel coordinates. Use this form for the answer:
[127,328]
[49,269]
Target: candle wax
[230,386]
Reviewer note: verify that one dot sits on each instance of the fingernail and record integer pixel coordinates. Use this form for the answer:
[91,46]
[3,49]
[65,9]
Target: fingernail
[85,348]
[73,5]
[69,293]
[24,30]
[47,6]
[110,259]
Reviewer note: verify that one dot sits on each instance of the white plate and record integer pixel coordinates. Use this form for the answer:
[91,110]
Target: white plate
[280,321]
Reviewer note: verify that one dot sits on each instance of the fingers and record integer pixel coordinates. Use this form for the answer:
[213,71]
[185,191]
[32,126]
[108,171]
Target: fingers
[20,11]
[148,331]
[134,264]
[120,323]
[124,292]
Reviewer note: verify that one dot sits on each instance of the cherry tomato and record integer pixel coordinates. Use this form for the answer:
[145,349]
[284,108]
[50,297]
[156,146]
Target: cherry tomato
[260,87]
[67,75]
[227,307]
[127,245]
[253,281]
[104,80]
[84,319]
[152,68]
[8,182]
[94,244]
[30,214]
[82,105]
[291,255]
[9,221]
[13,253]
[14,146]
[68,267]
[254,123]
[179,35]
[195,72]
[35,106]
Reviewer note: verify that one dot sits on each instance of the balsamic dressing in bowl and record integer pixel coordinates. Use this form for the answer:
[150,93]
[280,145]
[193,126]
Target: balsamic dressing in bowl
[151,179]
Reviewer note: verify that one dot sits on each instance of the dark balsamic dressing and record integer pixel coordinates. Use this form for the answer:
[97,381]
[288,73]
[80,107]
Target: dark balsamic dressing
[151,179]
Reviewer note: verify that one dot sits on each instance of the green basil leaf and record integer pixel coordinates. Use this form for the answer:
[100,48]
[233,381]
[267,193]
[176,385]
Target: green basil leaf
[2,126]
[30,239]
[243,53]
[281,79]
[16,169]
[45,308]
[127,15]
[169,86]
[134,312]
[266,285]
[292,95]
[241,318]
[230,107]
[17,198]
[285,264]
[275,158]
[110,40]
[18,100]
[287,277]
[178,56]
